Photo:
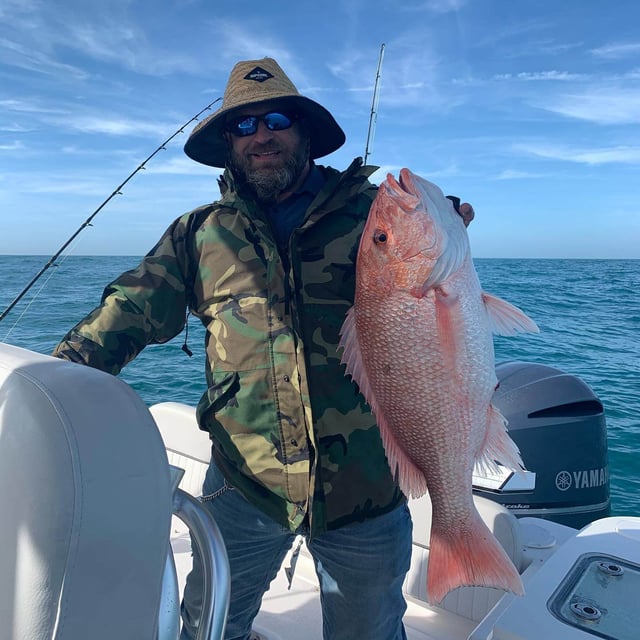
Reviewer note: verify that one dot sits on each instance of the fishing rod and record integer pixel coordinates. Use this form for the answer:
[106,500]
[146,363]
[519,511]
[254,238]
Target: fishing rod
[374,105]
[87,222]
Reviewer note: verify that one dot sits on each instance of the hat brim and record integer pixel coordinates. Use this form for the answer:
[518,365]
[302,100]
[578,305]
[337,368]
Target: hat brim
[207,145]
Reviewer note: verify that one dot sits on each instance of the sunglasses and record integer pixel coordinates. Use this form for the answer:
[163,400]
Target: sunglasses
[248,125]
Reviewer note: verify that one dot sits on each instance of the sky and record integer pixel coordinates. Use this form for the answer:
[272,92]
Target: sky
[530,110]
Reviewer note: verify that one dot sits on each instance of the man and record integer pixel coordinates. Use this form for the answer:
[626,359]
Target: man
[270,271]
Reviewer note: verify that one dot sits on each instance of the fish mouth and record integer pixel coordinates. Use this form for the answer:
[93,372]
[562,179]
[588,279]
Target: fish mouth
[405,194]
[408,184]
[402,193]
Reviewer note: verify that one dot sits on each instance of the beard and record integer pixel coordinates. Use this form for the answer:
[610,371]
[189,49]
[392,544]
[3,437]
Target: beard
[267,183]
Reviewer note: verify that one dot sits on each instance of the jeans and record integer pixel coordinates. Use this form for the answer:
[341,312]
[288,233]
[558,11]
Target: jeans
[360,567]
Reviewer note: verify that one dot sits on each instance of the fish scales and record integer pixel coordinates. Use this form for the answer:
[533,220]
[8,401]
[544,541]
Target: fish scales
[418,341]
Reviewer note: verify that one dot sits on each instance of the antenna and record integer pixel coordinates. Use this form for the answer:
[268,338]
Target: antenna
[374,106]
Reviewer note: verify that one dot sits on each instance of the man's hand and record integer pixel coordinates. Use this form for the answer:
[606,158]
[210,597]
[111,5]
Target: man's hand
[467,213]
[465,210]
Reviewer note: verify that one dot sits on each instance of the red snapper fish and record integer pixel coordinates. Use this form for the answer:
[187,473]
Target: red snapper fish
[418,342]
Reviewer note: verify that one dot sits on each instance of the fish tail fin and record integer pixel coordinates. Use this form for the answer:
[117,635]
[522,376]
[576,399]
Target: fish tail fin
[469,557]
[498,445]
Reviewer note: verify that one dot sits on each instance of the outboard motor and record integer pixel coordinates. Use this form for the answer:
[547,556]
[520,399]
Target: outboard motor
[559,426]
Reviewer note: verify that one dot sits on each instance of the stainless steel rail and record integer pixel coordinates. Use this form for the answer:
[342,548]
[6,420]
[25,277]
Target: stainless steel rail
[215,569]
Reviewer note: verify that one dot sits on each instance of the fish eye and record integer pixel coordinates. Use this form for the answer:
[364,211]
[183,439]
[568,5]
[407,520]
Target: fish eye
[380,237]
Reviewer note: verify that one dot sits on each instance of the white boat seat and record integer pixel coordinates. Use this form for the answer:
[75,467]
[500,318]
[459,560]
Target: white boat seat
[85,503]
[188,447]
[471,602]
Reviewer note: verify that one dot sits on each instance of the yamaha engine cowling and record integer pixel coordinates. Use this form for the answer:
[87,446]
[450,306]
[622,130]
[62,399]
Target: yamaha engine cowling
[559,426]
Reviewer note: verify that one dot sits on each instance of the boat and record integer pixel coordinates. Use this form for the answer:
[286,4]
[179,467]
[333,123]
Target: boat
[99,507]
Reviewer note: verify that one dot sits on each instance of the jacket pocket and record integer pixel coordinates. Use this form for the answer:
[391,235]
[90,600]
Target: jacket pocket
[220,395]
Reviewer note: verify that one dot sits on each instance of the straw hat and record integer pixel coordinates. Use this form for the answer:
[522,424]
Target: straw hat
[253,82]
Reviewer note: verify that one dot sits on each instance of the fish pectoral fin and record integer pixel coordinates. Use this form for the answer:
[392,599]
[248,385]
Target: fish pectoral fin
[447,308]
[505,319]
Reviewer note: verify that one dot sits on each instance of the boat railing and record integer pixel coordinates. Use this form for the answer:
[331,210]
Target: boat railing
[216,575]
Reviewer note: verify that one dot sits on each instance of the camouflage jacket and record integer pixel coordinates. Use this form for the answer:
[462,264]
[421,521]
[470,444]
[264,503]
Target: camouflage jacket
[288,428]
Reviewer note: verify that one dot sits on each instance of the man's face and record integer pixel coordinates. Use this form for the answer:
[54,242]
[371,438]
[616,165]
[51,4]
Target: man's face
[269,163]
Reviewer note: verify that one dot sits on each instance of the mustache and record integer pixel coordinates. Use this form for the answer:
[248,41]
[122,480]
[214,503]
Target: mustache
[263,147]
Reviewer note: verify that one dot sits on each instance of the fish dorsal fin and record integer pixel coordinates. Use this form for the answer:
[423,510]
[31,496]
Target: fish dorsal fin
[505,319]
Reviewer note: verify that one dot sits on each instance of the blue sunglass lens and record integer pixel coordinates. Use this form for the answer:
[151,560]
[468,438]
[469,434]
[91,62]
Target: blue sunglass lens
[248,125]
[277,121]
[244,127]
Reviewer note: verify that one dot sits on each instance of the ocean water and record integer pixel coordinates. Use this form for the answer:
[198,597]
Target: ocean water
[588,312]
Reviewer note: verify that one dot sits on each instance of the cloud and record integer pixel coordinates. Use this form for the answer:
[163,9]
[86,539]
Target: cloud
[26,106]
[115,126]
[535,76]
[617,51]
[380,174]
[85,187]
[429,174]
[415,73]
[127,46]
[29,58]
[247,39]
[618,154]
[181,165]
[611,105]
[435,6]
[12,146]
[43,37]
[23,116]
[512,174]
[50,182]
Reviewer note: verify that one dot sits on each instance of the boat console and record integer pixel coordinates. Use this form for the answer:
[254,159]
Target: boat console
[586,590]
